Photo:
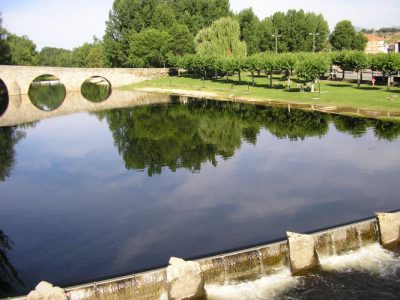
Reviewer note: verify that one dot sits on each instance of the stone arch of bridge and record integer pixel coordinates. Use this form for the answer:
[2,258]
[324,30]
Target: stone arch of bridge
[18,78]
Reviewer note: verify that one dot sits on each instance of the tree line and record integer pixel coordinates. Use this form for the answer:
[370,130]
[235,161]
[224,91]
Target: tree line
[147,33]
[308,67]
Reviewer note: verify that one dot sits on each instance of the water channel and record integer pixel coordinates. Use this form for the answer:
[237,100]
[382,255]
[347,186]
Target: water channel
[97,194]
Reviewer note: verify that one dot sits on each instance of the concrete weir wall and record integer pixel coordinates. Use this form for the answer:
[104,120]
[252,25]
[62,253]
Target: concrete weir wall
[18,78]
[300,252]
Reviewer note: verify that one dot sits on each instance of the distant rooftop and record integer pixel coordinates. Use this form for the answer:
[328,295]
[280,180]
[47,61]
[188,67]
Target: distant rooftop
[373,37]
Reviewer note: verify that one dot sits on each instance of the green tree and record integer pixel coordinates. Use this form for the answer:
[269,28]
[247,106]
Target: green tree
[287,63]
[294,28]
[23,50]
[79,55]
[360,41]
[5,50]
[181,39]
[339,59]
[387,63]
[312,66]
[129,16]
[250,30]
[358,61]
[89,55]
[222,38]
[163,16]
[254,64]
[149,48]
[269,63]
[95,57]
[197,14]
[227,66]
[56,57]
[345,37]
[126,17]
[267,42]
[300,29]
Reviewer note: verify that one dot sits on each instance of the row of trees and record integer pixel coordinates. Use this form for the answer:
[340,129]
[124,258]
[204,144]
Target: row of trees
[224,37]
[308,67]
[20,50]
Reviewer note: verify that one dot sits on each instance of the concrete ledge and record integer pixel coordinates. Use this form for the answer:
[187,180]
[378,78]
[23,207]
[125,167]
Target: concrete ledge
[302,252]
[389,227]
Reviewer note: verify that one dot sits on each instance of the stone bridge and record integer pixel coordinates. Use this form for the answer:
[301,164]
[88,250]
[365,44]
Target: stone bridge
[18,78]
[20,109]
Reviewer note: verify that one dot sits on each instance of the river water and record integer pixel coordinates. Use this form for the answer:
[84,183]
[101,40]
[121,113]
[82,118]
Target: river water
[94,195]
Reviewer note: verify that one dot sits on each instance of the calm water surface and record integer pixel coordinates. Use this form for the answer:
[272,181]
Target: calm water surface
[95,195]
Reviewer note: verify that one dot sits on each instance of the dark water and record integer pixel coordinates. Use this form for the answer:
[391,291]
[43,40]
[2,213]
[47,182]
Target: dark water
[3,98]
[47,96]
[89,196]
[96,89]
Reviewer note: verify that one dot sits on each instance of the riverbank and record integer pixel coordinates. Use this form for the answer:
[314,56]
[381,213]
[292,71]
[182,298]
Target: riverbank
[336,96]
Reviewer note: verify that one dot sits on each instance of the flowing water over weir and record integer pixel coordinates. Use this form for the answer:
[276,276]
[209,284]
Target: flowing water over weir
[329,260]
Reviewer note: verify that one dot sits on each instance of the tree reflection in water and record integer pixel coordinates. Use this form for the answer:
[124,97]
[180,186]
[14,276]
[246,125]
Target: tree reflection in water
[9,137]
[96,89]
[186,135]
[46,92]
[9,279]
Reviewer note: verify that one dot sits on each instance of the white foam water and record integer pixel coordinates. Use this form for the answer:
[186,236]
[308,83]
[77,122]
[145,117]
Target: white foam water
[373,259]
[267,287]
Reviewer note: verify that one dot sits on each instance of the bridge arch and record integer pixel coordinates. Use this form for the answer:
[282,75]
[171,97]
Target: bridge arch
[18,78]
[47,92]
[4,98]
[96,89]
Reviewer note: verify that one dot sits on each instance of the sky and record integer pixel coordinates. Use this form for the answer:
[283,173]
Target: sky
[70,23]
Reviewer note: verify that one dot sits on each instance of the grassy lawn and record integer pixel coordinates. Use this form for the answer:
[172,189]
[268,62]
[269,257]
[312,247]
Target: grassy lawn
[333,93]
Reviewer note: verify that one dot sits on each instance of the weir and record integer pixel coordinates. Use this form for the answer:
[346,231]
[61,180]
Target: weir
[300,253]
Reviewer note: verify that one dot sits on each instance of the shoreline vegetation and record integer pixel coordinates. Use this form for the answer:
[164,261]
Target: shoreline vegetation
[342,97]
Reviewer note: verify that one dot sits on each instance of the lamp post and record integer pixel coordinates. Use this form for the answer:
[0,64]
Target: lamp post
[313,43]
[276,36]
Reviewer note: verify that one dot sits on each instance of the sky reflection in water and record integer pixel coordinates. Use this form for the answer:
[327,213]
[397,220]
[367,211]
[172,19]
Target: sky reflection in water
[88,196]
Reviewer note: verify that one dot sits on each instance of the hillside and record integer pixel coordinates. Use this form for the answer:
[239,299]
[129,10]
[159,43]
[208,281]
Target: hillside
[393,37]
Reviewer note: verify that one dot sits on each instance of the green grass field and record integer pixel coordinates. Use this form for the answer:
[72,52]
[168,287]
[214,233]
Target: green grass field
[333,93]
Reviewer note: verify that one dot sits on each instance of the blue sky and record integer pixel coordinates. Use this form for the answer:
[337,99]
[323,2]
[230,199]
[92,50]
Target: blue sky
[70,23]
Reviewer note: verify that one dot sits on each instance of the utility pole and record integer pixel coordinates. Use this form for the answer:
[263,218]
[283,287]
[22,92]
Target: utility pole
[276,36]
[313,43]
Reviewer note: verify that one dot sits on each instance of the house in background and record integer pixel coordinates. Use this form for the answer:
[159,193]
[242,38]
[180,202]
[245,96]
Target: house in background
[394,47]
[375,44]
